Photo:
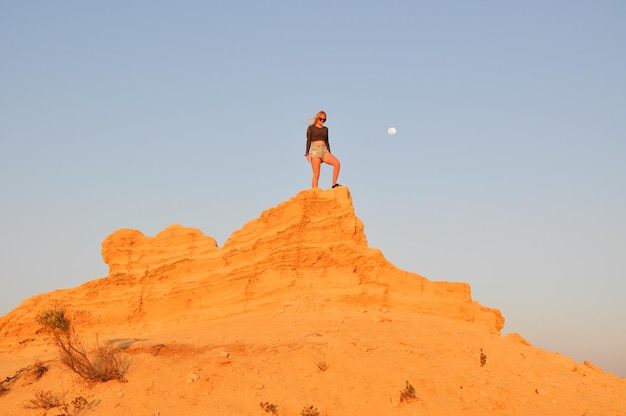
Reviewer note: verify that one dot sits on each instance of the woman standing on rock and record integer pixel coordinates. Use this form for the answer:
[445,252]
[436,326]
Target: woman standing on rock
[319,148]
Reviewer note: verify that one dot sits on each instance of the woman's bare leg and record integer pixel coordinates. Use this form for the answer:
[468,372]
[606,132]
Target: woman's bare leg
[316,162]
[332,160]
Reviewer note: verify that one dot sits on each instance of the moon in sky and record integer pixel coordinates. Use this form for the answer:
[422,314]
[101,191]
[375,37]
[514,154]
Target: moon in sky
[391,131]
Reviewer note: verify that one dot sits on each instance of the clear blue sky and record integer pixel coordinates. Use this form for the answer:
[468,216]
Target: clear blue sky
[507,171]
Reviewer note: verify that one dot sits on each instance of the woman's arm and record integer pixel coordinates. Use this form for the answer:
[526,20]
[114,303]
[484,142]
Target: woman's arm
[308,140]
[327,141]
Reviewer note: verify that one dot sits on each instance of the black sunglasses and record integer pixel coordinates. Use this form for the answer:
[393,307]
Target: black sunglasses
[322,119]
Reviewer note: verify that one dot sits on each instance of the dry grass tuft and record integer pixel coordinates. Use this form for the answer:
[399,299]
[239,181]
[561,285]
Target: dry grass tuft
[44,400]
[322,365]
[408,394]
[269,408]
[49,400]
[483,358]
[310,411]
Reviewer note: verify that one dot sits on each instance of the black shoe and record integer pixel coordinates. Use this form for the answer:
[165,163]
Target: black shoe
[336,185]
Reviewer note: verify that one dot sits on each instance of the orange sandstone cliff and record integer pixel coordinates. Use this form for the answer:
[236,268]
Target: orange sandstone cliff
[295,310]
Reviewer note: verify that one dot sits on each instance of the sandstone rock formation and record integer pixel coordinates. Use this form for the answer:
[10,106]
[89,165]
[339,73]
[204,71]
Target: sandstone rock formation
[297,303]
[313,242]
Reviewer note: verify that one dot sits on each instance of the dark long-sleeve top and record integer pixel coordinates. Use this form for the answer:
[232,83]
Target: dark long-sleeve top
[314,134]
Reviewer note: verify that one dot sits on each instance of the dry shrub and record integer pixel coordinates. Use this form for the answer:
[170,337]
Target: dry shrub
[50,400]
[269,407]
[483,358]
[106,363]
[322,365]
[310,411]
[44,400]
[35,371]
[408,394]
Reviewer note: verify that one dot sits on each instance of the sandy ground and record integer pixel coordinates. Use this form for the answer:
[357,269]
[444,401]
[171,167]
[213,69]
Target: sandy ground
[340,359]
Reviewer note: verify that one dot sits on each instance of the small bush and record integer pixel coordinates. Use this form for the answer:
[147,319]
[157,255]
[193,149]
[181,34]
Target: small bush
[310,411]
[55,319]
[79,403]
[44,400]
[483,358]
[269,408]
[322,365]
[49,400]
[107,364]
[408,394]
[36,371]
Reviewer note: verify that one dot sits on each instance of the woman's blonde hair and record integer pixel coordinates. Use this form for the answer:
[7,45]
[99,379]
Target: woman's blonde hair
[313,120]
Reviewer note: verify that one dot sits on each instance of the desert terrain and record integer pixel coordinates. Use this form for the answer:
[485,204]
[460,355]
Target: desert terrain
[294,315]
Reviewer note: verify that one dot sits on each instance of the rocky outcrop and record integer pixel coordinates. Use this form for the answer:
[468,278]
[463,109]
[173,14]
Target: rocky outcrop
[312,242]
[311,248]
[129,252]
